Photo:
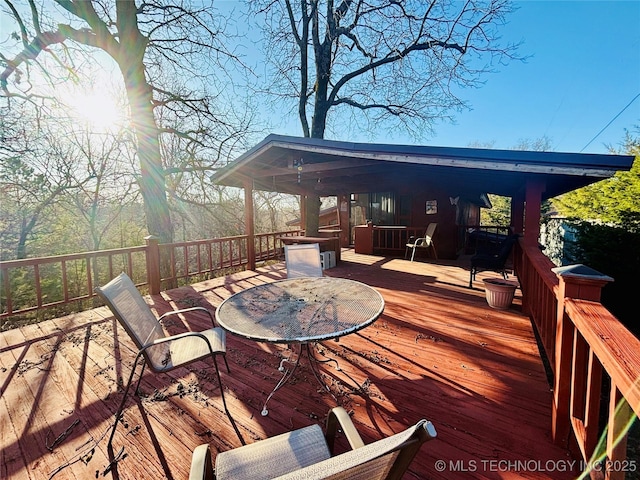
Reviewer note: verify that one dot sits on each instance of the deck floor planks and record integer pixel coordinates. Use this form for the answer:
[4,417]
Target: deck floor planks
[498,407]
[11,458]
[462,406]
[30,413]
[60,405]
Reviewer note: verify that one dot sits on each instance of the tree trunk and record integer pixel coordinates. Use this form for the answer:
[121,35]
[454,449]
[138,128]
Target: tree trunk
[318,126]
[130,56]
[152,180]
[312,217]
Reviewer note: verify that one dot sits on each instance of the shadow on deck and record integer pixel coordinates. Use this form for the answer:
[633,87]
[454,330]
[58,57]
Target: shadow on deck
[437,352]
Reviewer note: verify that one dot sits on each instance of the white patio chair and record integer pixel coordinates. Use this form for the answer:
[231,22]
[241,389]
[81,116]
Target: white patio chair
[303,260]
[305,454]
[422,242]
[160,352]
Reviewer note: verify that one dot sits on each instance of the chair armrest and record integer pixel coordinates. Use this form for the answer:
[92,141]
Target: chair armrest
[201,466]
[338,417]
[185,310]
[178,337]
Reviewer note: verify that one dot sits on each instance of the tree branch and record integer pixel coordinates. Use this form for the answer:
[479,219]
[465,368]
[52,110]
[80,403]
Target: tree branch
[41,42]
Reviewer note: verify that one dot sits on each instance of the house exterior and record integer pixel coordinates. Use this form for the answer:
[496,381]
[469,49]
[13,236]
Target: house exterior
[412,186]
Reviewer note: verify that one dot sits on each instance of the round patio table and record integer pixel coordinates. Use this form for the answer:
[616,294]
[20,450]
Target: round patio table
[300,311]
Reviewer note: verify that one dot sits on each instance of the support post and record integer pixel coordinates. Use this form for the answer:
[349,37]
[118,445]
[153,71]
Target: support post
[249,224]
[533,202]
[343,220]
[578,282]
[303,213]
[517,212]
[312,215]
[153,264]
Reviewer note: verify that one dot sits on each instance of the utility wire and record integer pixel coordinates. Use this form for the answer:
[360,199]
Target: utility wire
[612,120]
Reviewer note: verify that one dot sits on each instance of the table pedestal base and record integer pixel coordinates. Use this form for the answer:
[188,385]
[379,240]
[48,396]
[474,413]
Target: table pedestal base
[288,373]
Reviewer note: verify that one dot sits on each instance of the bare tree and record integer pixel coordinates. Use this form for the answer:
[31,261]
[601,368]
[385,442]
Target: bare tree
[153,43]
[390,63]
[37,170]
[110,187]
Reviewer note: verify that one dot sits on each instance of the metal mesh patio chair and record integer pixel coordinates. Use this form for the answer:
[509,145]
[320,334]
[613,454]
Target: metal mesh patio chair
[422,242]
[160,352]
[306,454]
[303,260]
[492,261]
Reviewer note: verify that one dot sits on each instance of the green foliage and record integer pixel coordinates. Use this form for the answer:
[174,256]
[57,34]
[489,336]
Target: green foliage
[500,214]
[614,251]
[615,200]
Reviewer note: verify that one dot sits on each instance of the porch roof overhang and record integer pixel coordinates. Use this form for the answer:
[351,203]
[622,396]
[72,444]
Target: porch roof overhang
[298,165]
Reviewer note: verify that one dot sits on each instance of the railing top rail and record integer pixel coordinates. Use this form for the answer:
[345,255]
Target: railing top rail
[25,262]
[278,233]
[542,264]
[202,242]
[616,347]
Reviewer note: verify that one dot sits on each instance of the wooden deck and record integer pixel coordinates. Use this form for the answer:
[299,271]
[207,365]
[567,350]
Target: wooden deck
[438,352]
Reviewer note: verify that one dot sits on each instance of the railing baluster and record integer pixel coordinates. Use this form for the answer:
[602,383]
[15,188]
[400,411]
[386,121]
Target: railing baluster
[130,263]
[620,416]
[88,273]
[36,277]
[592,403]
[7,289]
[65,282]
[185,259]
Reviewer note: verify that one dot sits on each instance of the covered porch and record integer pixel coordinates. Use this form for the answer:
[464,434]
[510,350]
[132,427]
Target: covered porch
[438,352]
[410,186]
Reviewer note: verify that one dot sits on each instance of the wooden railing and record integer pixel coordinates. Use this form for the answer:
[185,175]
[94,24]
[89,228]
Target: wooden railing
[391,239]
[37,284]
[593,358]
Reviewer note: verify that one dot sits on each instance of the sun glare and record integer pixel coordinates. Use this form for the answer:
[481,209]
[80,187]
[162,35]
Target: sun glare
[99,111]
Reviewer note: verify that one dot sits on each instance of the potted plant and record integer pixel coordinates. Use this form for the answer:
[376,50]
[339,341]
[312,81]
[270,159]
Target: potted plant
[499,292]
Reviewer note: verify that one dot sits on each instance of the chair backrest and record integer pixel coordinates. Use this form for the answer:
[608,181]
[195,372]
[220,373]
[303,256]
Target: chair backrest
[506,246]
[303,260]
[386,459]
[431,228]
[127,305]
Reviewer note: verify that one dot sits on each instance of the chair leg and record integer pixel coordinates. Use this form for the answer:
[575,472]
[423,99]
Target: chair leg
[137,390]
[224,356]
[413,253]
[224,402]
[122,402]
[406,251]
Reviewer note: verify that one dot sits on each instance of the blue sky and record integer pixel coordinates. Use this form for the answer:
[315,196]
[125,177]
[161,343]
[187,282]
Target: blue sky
[584,69]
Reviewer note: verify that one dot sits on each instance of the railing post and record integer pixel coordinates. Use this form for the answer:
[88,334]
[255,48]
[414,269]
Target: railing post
[579,282]
[249,225]
[153,264]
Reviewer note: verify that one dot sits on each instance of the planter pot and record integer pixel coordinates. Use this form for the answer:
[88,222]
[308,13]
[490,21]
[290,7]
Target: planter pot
[499,292]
